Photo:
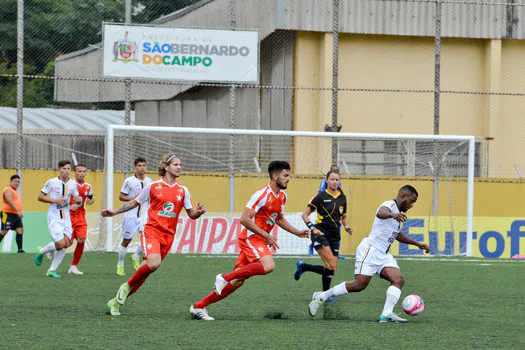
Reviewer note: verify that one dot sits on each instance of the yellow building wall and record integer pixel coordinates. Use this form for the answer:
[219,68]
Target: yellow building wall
[407,63]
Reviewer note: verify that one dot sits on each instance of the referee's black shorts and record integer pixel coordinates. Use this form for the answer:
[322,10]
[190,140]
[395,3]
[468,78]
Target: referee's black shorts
[10,221]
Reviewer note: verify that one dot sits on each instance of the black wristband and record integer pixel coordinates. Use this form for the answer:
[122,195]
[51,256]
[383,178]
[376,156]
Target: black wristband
[310,226]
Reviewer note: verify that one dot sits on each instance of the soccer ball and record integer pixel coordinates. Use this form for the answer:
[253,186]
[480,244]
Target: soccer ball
[413,305]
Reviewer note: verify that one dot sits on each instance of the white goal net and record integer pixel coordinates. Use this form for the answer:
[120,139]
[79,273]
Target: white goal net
[223,167]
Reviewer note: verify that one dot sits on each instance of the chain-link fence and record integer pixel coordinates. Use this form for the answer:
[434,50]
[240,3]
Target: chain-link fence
[418,66]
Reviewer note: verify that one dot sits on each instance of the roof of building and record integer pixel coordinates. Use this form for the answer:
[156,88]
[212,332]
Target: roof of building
[62,119]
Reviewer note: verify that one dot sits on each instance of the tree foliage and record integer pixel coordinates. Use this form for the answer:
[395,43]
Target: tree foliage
[56,27]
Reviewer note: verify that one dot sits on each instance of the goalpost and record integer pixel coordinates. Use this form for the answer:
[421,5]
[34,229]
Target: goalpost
[447,160]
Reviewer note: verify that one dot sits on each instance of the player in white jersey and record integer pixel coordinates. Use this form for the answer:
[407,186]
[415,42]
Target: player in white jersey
[134,219]
[58,192]
[373,257]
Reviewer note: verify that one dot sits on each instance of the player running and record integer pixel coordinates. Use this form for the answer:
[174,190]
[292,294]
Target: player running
[167,197]
[58,193]
[78,215]
[263,211]
[373,257]
[133,219]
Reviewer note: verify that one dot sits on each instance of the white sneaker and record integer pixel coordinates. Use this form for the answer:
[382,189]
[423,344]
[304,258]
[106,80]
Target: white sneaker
[200,314]
[75,271]
[315,304]
[392,318]
[220,283]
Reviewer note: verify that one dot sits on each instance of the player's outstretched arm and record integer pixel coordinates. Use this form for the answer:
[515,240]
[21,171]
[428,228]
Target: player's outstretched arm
[196,213]
[405,239]
[124,208]
[285,225]
[386,213]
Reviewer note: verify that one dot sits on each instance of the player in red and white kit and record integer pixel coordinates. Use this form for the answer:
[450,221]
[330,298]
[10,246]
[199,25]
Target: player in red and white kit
[263,211]
[166,198]
[78,215]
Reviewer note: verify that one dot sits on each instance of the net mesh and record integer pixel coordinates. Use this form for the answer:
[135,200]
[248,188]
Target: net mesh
[212,154]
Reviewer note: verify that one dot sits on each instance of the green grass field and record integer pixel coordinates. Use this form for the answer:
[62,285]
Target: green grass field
[468,305]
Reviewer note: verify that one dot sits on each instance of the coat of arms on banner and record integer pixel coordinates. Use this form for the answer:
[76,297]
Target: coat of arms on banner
[125,50]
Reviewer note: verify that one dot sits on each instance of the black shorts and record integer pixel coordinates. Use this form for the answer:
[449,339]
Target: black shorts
[10,221]
[324,241]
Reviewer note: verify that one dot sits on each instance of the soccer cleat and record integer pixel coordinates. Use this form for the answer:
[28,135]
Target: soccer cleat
[120,271]
[299,271]
[392,318]
[200,314]
[74,270]
[315,304]
[53,274]
[340,256]
[331,300]
[114,307]
[135,262]
[38,257]
[220,283]
[123,292]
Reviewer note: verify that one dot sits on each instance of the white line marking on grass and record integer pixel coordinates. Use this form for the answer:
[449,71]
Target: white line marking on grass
[401,258]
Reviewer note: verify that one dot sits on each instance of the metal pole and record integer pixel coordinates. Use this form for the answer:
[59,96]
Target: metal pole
[335,77]
[127,101]
[231,202]
[437,84]
[20,91]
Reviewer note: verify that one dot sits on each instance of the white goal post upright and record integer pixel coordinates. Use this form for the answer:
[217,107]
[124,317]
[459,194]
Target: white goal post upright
[268,133]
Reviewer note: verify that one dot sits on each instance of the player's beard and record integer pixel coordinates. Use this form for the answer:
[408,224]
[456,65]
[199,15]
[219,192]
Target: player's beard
[282,185]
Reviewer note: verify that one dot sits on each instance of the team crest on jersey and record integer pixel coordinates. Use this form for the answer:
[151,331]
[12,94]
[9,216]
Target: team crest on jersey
[271,220]
[341,209]
[158,187]
[181,190]
[167,210]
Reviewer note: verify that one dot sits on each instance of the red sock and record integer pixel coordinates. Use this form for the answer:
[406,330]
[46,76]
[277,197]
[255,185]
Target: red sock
[78,253]
[213,297]
[139,277]
[252,269]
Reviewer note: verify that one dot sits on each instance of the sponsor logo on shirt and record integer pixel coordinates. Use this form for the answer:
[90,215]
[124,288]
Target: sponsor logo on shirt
[271,219]
[167,210]
[62,206]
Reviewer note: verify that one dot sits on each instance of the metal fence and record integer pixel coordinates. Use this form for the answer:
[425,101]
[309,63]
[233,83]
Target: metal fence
[414,66]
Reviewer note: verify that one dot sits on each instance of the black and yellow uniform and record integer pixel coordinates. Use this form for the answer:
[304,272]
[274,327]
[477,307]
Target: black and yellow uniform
[330,210]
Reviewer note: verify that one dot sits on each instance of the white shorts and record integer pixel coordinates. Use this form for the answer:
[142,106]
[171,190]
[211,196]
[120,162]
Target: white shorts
[58,228]
[129,227]
[370,261]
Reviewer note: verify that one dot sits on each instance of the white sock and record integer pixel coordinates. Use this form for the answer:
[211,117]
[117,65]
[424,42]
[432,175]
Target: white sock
[48,248]
[121,254]
[392,296]
[138,252]
[57,259]
[340,289]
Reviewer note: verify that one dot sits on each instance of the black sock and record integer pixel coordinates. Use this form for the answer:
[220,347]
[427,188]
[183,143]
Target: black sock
[314,268]
[327,278]
[19,241]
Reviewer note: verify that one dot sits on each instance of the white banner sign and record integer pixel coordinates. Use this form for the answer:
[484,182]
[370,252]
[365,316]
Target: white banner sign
[181,54]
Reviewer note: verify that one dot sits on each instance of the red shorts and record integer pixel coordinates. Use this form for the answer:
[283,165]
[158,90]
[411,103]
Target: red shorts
[79,229]
[252,248]
[156,242]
